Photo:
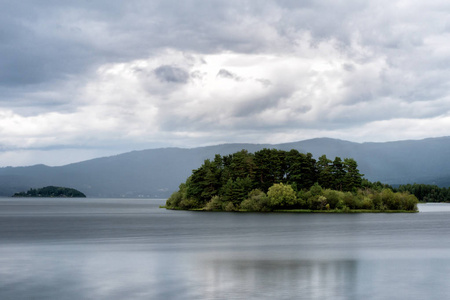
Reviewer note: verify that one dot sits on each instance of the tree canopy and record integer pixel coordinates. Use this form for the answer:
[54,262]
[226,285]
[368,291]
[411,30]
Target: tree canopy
[272,179]
[426,192]
[51,191]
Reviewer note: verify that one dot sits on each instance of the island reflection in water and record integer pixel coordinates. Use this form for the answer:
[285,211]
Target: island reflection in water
[282,279]
[135,250]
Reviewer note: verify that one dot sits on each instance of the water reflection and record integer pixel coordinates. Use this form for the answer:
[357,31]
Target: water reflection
[102,251]
[280,279]
[434,207]
[132,272]
[92,272]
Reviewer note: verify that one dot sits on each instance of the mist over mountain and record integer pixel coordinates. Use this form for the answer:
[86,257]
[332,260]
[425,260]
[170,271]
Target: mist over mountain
[158,172]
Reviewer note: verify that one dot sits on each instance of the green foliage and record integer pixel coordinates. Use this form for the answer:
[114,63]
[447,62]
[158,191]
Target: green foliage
[426,192]
[388,198]
[364,200]
[377,201]
[273,179]
[214,204]
[366,184]
[51,191]
[257,201]
[241,188]
[349,200]
[188,204]
[270,167]
[242,165]
[204,181]
[324,168]
[316,190]
[352,178]
[281,196]
[174,200]
[302,199]
[333,197]
[236,190]
[317,202]
[338,172]
[230,207]
[176,197]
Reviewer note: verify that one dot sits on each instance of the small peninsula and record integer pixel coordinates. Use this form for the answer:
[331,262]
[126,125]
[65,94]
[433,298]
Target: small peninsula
[51,192]
[272,180]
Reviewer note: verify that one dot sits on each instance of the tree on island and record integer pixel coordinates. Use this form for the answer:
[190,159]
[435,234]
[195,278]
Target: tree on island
[51,191]
[272,179]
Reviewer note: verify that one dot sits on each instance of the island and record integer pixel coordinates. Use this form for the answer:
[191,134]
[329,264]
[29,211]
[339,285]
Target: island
[51,191]
[272,180]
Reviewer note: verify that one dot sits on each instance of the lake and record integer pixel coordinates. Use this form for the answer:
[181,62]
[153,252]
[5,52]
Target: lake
[132,249]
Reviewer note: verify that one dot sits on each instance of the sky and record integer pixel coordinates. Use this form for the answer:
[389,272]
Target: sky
[84,79]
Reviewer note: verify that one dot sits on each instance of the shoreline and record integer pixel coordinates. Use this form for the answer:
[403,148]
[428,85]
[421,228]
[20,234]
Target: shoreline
[303,211]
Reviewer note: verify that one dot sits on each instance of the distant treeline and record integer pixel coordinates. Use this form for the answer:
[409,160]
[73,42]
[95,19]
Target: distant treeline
[426,192]
[51,191]
[272,179]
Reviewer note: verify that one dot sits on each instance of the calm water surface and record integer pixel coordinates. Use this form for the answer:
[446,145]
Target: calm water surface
[132,249]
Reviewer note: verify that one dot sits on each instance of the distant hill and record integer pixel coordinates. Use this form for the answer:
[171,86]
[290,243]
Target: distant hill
[158,172]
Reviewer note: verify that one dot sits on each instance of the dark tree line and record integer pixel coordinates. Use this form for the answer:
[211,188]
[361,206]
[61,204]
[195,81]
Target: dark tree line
[273,179]
[426,192]
[51,191]
[234,176]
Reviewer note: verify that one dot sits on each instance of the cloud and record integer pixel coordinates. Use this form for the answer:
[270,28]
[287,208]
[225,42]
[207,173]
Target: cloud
[171,74]
[227,74]
[142,74]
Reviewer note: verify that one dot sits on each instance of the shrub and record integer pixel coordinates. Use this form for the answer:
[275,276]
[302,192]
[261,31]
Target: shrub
[340,205]
[377,200]
[388,198]
[333,197]
[350,200]
[316,189]
[257,201]
[411,203]
[230,207]
[366,203]
[189,204]
[174,200]
[406,201]
[302,199]
[281,196]
[214,204]
[317,202]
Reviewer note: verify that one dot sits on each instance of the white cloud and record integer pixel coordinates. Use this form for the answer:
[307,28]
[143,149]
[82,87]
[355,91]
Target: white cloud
[139,74]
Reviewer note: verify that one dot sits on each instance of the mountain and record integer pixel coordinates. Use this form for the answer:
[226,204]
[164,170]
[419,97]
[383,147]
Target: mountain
[158,172]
